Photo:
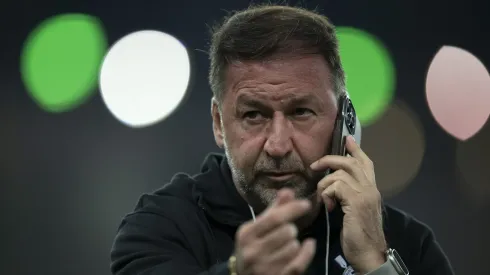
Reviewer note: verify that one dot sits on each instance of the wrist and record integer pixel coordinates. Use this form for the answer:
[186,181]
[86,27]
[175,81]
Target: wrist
[393,266]
[372,261]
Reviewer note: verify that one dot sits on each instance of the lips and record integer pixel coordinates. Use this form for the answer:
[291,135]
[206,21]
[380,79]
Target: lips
[279,176]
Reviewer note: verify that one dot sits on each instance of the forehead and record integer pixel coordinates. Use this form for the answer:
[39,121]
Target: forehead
[282,78]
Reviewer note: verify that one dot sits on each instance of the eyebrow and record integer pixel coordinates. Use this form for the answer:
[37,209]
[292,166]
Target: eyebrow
[253,101]
[250,101]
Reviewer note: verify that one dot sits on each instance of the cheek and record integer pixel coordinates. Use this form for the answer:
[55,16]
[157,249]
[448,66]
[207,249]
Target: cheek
[313,145]
[245,149]
[312,151]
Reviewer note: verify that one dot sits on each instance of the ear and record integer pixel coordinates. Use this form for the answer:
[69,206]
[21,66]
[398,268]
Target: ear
[217,125]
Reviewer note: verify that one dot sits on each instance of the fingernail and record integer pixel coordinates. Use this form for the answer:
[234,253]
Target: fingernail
[353,139]
[314,165]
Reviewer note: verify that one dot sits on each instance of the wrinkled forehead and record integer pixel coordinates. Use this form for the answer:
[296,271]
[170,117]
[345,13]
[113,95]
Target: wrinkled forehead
[281,100]
[293,79]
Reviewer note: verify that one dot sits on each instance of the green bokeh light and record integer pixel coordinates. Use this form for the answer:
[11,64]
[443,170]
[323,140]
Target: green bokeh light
[370,73]
[61,59]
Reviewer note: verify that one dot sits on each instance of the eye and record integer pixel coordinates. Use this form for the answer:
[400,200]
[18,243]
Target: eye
[303,112]
[252,115]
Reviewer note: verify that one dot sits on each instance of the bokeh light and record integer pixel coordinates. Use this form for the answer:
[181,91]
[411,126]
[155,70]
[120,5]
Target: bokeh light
[458,92]
[369,70]
[396,145]
[61,60]
[144,77]
[473,162]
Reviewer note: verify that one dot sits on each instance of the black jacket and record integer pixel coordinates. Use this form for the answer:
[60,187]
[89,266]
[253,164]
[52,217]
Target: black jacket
[188,228]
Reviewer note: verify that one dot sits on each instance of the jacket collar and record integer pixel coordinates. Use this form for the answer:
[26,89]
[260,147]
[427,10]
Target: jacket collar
[217,195]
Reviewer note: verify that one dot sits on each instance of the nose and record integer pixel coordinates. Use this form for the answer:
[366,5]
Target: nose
[279,143]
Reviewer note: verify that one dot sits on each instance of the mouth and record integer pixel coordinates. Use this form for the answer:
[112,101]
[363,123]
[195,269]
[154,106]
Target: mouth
[279,176]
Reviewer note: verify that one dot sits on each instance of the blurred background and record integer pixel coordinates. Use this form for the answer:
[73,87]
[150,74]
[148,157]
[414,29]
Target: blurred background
[102,101]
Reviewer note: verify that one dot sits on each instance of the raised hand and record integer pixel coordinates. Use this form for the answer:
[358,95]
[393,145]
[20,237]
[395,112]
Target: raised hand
[353,186]
[269,245]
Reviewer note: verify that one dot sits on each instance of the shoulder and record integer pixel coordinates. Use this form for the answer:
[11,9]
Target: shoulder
[171,212]
[399,223]
[170,201]
[415,242]
[165,211]
[163,224]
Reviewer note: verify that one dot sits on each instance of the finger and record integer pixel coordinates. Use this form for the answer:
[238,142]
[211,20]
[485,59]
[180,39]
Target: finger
[279,214]
[338,175]
[302,260]
[340,192]
[286,253]
[350,165]
[355,151]
[329,204]
[278,237]
[321,186]
[284,195]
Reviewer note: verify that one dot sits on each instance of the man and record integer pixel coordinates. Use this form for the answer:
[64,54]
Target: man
[276,78]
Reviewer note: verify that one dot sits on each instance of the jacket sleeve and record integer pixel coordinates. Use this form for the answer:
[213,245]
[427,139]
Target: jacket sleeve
[149,244]
[433,260]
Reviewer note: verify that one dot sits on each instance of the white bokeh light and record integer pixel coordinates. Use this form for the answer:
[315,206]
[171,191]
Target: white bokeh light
[144,77]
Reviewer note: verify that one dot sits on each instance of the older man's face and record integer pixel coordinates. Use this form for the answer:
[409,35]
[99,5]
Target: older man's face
[276,118]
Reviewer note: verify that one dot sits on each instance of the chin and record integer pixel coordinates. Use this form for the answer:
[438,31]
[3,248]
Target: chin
[268,195]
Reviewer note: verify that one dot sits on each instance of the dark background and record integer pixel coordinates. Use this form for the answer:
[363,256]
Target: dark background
[67,179]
